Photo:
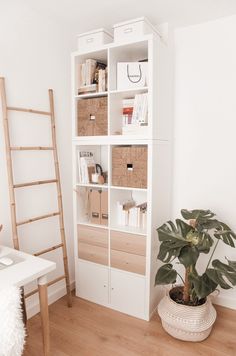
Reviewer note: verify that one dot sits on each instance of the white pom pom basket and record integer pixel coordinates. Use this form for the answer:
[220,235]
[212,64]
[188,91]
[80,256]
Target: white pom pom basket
[187,323]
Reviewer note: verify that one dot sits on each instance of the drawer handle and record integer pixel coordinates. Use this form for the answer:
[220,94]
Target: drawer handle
[130,167]
[128,30]
[105,216]
[92,117]
[89,40]
[95,215]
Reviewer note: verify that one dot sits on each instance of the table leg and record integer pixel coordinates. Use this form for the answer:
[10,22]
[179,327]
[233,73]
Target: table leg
[43,298]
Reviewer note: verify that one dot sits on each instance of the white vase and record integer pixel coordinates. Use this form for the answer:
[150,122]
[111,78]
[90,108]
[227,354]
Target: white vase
[188,323]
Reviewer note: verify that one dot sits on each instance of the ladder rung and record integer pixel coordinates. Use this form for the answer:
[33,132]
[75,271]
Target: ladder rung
[33,148]
[37,218]
[48,284]
[32,111]
[48,250]
[39,182]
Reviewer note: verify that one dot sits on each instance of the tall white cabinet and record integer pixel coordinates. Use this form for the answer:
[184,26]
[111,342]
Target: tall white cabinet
[115,264]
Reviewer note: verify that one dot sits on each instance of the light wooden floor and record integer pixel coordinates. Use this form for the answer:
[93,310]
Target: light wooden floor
[87,329]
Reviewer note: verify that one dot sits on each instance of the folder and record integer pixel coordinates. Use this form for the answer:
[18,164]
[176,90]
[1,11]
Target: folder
[104,207]
[95,209]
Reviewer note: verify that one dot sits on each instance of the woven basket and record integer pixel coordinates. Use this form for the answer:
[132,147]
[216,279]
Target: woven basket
[188,323]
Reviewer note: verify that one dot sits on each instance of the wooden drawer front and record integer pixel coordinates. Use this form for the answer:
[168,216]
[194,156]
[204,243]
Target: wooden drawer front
[93,235]
[93,253]
[130,243]
[128,262]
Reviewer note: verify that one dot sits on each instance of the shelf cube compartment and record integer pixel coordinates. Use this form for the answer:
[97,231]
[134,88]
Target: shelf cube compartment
[128,210]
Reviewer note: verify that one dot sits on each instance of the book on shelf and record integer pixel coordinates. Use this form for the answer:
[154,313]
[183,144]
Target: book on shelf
[135,115]
[92,76]
[92,88]
[133,215]
[86,167]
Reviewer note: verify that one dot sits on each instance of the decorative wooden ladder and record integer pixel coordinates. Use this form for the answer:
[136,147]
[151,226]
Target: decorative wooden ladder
[13,186]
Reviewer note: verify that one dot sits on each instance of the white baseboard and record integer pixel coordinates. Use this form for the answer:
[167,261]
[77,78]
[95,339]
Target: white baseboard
[32,306]
[225,301]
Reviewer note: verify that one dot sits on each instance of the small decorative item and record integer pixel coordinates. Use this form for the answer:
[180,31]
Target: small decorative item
[186,311]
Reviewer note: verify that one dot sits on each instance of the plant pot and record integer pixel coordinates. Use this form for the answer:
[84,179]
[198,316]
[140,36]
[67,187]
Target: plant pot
[187,323]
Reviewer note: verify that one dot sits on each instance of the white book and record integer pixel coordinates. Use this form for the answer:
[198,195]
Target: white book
[143,109]
[101,80]
[90,70]
[133,217]
[83,75]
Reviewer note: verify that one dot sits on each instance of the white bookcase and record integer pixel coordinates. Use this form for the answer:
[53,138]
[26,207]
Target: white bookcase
[117,263]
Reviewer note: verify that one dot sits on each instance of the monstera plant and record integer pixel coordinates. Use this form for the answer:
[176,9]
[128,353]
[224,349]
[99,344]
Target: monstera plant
[184,243]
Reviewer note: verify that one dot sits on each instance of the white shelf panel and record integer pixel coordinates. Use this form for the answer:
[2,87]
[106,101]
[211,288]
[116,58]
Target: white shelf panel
[129,188]
[111,140]
[129,92]
[91,185]
[129,229]
[93,225]
[91,95]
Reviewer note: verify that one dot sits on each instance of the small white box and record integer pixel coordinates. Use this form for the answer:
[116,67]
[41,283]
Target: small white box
[93,39]
[132,75]
[133,29]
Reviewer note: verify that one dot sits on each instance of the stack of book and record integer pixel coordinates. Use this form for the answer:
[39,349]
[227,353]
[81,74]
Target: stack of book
[86,167]
[135,115]
[92,76]
[127,111]
[130,214]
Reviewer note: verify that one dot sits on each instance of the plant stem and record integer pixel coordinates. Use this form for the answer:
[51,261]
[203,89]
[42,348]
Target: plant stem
[212,254]
[186,295]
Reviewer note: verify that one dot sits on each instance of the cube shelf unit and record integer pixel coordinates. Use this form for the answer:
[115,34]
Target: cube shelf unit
[115,264]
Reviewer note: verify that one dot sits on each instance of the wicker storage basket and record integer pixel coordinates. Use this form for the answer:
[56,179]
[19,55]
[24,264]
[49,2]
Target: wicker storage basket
[129,166]
[92,117]
[187,323]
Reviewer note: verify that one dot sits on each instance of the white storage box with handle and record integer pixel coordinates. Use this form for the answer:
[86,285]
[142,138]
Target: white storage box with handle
[132,75]
[133,29]
[93,39]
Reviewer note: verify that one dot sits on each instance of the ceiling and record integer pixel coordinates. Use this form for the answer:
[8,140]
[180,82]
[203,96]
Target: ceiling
[85,15]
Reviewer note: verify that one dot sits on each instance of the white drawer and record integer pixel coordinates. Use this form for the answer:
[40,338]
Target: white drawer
[133,29]
[93,39]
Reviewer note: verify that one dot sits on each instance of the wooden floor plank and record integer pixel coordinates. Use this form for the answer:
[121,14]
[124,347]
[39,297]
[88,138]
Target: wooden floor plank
[88,329]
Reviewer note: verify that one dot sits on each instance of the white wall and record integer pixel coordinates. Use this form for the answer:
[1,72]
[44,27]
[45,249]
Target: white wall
[35,56]
[205,125]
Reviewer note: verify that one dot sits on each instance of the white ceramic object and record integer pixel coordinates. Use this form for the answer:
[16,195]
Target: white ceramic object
[90,40]
[187,323]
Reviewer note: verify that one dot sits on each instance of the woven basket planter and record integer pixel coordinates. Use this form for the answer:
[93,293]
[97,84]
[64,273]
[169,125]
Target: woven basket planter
[187,323]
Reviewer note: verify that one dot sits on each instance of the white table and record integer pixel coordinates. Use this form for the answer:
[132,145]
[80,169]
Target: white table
[26,269]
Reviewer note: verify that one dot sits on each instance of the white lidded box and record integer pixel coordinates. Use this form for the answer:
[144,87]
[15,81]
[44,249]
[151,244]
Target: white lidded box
[133,29]
[92,39]
[132,75]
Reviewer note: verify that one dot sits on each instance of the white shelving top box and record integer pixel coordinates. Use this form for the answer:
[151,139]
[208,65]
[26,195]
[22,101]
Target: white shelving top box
[133,29]
[92,39]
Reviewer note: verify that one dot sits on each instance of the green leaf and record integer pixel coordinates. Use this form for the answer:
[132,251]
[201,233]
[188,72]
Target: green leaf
[173,238]
[169,250]
[225,234]
[169,231]
[166,275]
[217,277]
[197,214]
[188,256]
[203,285]
[205,242]
[231,263]
[225,271]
